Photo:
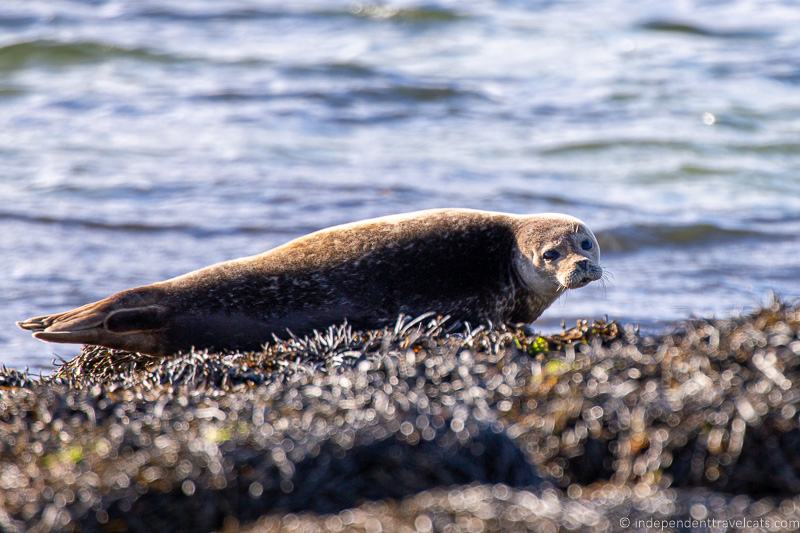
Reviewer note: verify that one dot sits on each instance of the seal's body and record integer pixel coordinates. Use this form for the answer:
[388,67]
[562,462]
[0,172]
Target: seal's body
[476,266]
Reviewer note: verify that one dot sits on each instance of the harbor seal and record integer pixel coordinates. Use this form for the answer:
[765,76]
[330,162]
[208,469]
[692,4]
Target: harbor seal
[476,266]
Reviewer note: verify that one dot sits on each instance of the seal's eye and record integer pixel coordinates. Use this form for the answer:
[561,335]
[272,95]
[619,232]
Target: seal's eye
[586,244]
[550,255]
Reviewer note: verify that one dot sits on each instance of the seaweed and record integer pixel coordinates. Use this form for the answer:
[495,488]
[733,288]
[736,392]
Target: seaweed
[499,428]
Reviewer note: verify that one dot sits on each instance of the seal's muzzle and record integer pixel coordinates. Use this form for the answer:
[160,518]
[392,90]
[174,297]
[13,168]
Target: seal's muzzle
[583,272]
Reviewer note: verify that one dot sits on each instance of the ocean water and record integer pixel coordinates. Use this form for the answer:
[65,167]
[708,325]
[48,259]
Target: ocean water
[142,139]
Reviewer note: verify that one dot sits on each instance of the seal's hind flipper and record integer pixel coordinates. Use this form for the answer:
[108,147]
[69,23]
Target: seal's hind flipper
[79,319]
[151,317]
[36,323]
[107,323]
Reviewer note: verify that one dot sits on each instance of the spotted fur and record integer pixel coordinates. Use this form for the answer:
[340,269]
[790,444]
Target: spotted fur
[476,266]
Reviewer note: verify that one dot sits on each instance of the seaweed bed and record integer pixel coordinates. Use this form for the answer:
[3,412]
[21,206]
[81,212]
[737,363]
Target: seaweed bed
[420,428]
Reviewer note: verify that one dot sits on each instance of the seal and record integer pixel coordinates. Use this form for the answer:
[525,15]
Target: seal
[476,266]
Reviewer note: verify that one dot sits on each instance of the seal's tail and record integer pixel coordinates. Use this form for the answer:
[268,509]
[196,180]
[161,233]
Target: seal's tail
[109,322]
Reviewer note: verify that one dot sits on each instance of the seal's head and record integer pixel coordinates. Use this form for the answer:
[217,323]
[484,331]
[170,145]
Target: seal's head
[556,252]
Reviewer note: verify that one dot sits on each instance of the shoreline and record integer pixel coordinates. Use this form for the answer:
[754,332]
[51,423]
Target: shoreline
[583,428]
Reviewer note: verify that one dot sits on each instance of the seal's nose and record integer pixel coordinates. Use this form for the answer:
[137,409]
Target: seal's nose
[583,264]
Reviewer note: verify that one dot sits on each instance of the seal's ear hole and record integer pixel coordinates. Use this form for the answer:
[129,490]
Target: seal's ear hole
[137,319]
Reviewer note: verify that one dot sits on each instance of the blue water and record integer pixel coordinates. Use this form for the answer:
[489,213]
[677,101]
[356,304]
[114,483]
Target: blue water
[142,139]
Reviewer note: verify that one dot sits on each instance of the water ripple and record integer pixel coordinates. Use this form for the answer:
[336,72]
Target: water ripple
[691,28]
[641,236]
[193,230]
[371,12]
[46,52]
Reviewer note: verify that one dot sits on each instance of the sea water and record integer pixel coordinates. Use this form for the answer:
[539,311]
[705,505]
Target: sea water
[143,139]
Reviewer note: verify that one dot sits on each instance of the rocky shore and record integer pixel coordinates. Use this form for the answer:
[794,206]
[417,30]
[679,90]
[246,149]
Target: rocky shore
[425,427]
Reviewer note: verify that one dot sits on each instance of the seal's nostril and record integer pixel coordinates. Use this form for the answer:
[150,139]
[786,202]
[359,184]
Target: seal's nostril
[583,264]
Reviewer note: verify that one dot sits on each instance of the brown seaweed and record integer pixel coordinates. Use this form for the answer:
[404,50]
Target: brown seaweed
[599,422]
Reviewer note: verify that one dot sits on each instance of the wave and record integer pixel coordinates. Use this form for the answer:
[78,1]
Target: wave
[418,15]
[15,22]
[409,14]
[689,28]
[9,92]
[639,236]
[778,147]
[138,227]
[598,146]
[57,53]
[334,69]
[557,201]
[590,146]
[400,92]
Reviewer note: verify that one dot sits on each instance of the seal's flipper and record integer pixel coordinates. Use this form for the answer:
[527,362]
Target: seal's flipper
[79,319]
[102,323]
[151,317]
[37,323]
